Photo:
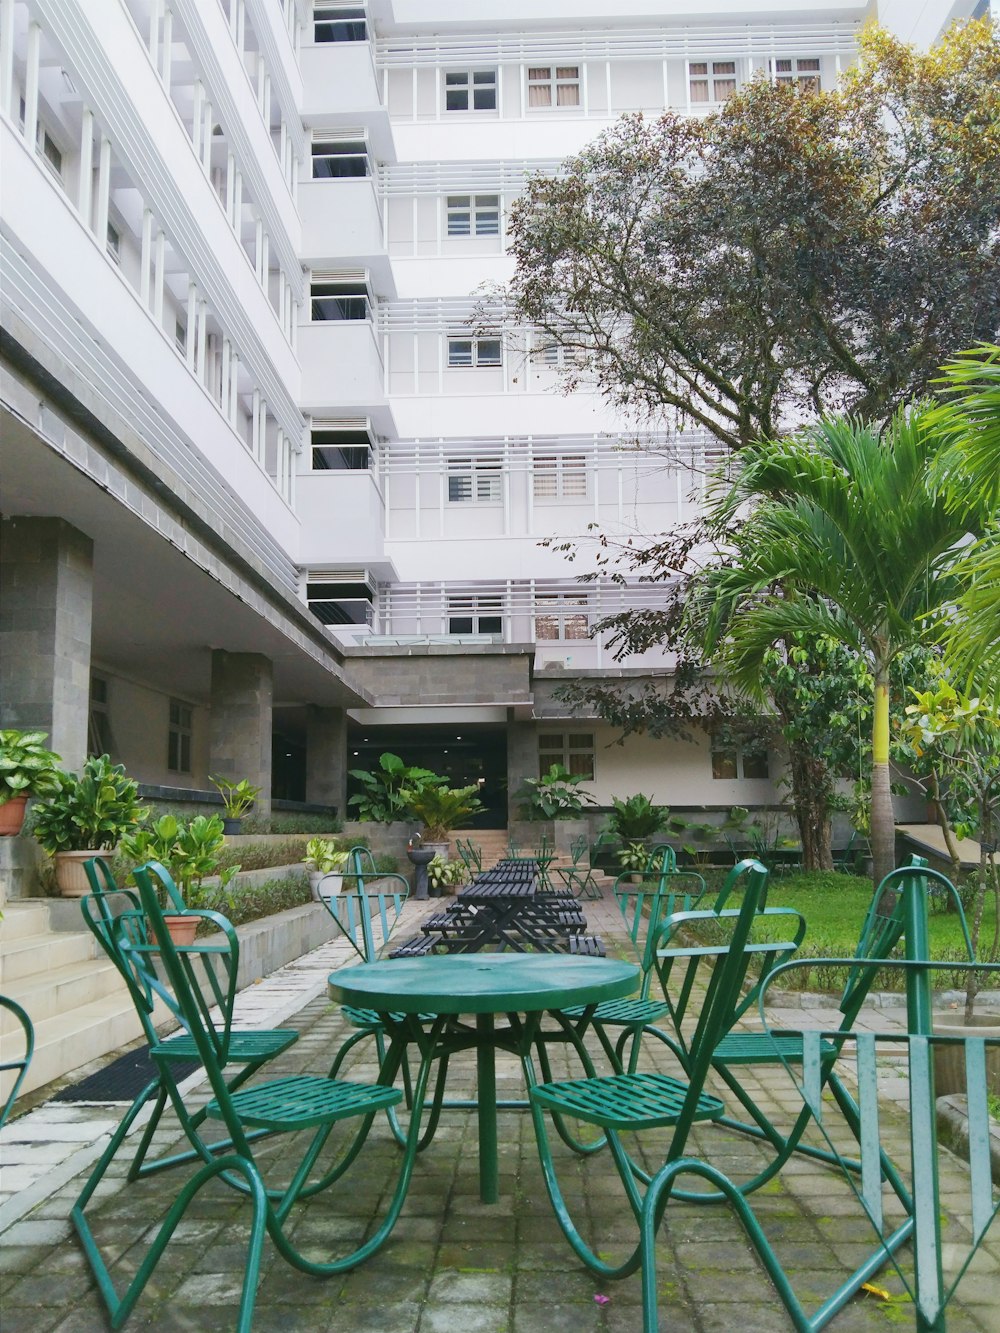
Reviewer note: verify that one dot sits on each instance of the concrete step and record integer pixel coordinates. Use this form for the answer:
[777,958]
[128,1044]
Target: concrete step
[20,919]
[70,1040]
[54,991]
[34,955]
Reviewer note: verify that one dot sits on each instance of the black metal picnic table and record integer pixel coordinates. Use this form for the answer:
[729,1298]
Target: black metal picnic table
[505,908]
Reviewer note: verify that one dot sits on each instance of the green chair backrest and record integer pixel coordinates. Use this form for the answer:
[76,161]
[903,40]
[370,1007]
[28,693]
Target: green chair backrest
[472,857]
[907,1059]
[19,1063]
[578,847]
[358,909]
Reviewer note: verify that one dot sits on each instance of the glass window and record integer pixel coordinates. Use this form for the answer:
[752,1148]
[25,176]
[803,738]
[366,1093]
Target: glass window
[470,90]
[553,85]
[711,80]
[474,352]
[474,615]
[799,73]
[179,737]
[336,450]
[561,616]
[99,738]
[335,603]
[573,750]
[559,475]
[114,242]
[336,158]
[742,757]
[339,300]
[52,152]
[473,214]
[473,480]
[339,23]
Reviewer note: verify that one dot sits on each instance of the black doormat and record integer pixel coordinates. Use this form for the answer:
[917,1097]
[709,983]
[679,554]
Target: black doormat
[123,1079]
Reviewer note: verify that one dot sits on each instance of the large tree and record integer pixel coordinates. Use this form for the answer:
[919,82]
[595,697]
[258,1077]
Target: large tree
[850,538]
[796,253]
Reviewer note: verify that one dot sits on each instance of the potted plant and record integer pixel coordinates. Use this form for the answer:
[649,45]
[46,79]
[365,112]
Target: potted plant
[237,798]
[380,799]
[441,809]
[444,876]
[192,853]
[87,816]
[324,861]
[555,795]
[26,769]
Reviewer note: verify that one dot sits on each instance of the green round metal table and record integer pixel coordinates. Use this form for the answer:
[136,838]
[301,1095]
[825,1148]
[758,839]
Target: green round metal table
[482,985]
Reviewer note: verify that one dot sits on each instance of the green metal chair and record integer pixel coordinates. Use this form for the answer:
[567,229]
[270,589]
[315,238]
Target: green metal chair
[633,1102]
[472,856]
[882,932]
[248,1049]
[286,1105]
[645,908]
[907,1059]
[21,1062]
[578,879]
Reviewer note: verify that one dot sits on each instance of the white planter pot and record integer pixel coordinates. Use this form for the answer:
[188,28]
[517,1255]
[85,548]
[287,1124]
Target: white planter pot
[70,874]
[325,886]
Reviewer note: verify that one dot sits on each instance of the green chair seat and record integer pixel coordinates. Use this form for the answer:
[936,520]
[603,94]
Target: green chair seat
[761,1048]
[243,1046]
[371,1018]
[624,1013]
[625,1101]
[304,1101]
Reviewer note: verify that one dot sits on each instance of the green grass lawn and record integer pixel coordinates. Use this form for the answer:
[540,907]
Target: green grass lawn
[834,906]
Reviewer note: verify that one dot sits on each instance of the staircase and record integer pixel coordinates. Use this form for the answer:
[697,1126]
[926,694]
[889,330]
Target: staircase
[74,996]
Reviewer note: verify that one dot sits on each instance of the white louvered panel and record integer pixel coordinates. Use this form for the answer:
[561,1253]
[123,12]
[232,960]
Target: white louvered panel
[410,178]
[666,43]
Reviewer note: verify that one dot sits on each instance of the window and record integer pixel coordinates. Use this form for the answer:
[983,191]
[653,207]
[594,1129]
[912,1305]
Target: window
[711,80]
[114,243]
[179,737]
[340,450]
[339,300]
[739,757]
[797,73]
[573,750]
[99,738]
[345,598]
[553,85]
[471,90]
[470,479]
[474,352]
[339,23]
[561,616]
[559,475]
[473,215]
[51,151]
[335,158]
[180,336]
[554,355]
[474,615]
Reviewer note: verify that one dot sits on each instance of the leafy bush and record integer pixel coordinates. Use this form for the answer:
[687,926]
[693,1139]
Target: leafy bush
[254,901]
[445,874]
[555,795]
[192,852]
[26,767]
[287,821]
[92,810]
[636,817]
[381,798]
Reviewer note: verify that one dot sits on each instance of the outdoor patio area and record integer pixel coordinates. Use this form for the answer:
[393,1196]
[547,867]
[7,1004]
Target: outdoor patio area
[452,1262]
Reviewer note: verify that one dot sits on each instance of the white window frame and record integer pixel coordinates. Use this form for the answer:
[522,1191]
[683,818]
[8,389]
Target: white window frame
[711,78]
[353,150]
[480,211]
[473,82]
[566,475]
[574,750]
[479,352]
[741,749]
[484,478]
[565,613]
[802,72]
[477,608]
[552,79]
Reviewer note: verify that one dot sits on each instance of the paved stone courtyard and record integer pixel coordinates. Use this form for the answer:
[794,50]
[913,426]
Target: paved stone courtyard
[454,1265]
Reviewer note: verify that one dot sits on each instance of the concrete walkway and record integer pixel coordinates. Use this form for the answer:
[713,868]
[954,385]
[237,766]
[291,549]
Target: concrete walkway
[452,1265]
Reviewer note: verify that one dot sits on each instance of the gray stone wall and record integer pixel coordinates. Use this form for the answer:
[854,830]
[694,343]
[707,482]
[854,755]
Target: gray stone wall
[240,724]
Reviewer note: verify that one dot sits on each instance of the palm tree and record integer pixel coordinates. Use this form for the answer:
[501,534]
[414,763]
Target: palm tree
[972,419]
[849,537]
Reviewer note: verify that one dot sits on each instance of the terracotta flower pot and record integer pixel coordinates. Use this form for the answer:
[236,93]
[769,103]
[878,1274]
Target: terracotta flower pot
[181,929]
[12,816]
[70,874]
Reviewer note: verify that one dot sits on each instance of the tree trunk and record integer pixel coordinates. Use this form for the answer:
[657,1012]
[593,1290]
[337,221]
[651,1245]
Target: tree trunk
[946,831]
[811,791]
[883,820]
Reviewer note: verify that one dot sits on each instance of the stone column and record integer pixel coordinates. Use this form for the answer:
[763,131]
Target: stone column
[326,757]
[522,762]
[240,727]
[46,604]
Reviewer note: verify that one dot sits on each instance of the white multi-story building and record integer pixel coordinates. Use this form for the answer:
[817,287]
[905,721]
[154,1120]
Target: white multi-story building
[272,503]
